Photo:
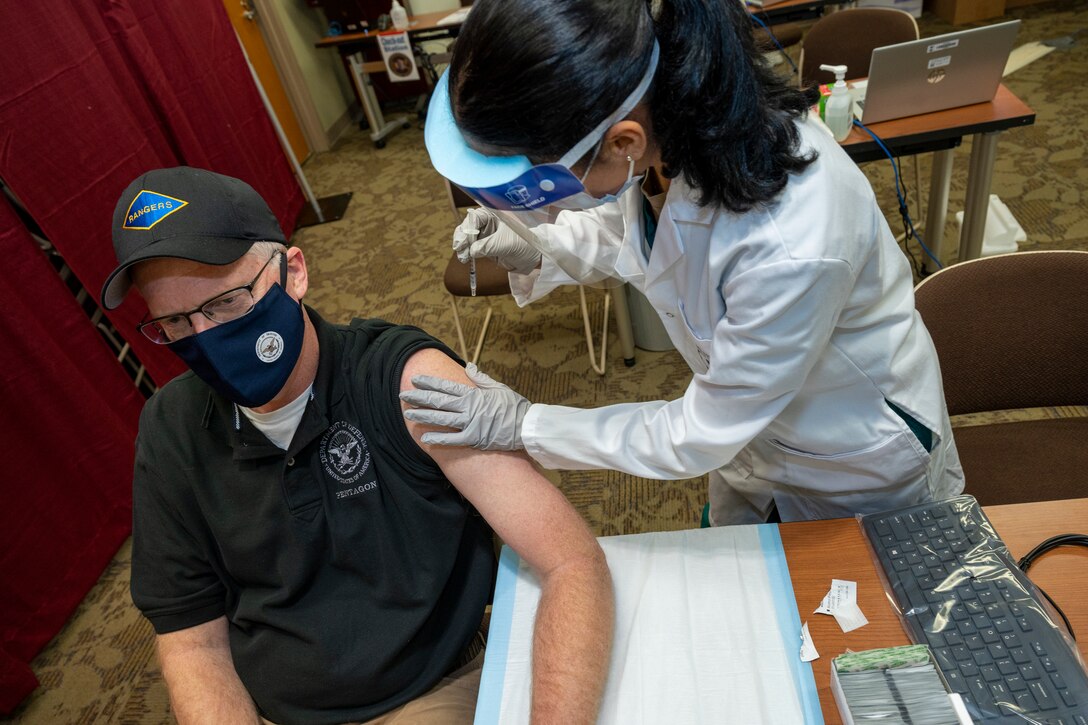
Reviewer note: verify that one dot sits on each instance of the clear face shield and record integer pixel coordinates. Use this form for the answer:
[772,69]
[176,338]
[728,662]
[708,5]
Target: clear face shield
[525,196]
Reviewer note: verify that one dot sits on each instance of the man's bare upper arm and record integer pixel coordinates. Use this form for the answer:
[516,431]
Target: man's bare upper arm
[523,507]
[209,635]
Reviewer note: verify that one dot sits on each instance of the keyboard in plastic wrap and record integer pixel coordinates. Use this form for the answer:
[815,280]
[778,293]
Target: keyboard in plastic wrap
[959,590]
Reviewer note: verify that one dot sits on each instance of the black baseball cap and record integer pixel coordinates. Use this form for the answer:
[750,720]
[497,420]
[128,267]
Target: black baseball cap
[188,214]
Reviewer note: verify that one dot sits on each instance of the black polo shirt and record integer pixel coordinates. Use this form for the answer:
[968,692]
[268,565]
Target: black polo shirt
[351,572]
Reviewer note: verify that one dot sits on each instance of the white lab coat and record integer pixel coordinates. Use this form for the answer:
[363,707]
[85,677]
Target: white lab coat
[798,322]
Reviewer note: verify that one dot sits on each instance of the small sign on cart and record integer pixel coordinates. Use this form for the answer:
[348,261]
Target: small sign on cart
[400,62]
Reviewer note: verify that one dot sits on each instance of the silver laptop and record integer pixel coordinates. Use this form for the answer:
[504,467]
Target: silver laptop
[932,74]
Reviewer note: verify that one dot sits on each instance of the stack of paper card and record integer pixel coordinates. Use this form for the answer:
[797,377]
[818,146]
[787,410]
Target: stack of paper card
[893,686]
[457,16]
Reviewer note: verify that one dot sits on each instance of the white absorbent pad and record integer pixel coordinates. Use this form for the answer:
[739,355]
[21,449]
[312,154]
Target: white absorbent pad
[707,631]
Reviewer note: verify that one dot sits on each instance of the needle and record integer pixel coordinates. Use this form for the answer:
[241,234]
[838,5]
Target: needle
[472,276]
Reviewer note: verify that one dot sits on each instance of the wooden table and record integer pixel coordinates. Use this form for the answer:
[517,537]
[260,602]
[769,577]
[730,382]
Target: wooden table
[351,47]
[940,132]
[424,23]
[819,551]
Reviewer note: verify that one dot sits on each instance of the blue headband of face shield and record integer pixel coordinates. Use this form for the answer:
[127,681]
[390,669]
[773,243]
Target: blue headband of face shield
[512,183]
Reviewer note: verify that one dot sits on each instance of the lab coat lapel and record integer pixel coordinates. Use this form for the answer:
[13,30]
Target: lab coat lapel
[630,264]
[668,248]
[682,223]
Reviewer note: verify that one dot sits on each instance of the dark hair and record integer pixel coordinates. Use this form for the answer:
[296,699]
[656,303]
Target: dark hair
[535,76]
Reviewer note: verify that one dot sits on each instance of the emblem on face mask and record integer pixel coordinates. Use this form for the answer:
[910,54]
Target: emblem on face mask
[344,452]
[269,347]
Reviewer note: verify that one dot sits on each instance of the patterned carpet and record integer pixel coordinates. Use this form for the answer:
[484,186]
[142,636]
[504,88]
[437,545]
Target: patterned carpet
[386,257]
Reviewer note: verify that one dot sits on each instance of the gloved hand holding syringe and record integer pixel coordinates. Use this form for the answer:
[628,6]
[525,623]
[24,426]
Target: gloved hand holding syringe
[481,234]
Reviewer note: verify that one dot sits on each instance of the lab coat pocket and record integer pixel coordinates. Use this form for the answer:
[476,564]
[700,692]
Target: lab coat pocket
[889,463]
[739,468]
[696,347]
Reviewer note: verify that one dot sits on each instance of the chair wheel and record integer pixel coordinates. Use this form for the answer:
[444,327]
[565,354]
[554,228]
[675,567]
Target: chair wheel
[379,144]
[629,362]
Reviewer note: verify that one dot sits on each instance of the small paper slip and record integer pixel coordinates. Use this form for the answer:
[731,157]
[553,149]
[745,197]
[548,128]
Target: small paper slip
[841,602]
[808,649]
[458,16]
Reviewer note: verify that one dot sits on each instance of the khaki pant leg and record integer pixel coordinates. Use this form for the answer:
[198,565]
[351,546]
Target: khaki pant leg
[451,702]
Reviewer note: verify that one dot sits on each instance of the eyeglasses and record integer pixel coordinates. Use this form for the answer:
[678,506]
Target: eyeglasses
[229,305]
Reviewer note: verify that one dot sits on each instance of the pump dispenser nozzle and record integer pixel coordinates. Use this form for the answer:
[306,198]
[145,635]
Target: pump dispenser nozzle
[838,70]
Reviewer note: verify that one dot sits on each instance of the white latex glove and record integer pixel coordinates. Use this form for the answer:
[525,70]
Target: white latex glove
[481,234]
[488,417]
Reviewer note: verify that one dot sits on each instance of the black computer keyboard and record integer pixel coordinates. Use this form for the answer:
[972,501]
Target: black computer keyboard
[959,591]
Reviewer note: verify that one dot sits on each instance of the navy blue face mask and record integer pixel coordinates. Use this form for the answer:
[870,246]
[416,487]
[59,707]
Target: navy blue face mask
[248,360]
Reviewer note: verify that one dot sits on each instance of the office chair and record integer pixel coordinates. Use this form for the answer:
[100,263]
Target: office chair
[492,280]
[848,37]
[787,35]
[1011,332]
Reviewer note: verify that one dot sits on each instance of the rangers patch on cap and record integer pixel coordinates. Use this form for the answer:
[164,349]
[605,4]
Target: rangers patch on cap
[149,208]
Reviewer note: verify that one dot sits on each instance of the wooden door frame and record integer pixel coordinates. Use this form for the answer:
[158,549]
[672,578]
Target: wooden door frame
[294,83]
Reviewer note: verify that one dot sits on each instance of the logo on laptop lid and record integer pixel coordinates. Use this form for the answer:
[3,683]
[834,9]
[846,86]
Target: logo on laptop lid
[149,208]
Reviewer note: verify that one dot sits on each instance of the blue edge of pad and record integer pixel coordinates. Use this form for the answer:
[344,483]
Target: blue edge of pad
[789,624]
[789,621]
[498,640]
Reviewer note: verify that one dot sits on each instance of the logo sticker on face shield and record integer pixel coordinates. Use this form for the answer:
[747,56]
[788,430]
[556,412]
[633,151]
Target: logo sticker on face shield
[269,347]
[518,194]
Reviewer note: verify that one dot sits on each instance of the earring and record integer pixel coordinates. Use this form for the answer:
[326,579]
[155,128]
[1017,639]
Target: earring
[630,166]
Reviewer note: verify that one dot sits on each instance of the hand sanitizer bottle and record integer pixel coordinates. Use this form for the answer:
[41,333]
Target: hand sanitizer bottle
[399,16]
[839,109]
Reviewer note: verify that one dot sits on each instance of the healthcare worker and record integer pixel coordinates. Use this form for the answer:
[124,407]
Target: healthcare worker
[816,387]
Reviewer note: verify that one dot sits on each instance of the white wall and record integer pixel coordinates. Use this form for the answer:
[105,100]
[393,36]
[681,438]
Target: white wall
[321,68]
[419,7]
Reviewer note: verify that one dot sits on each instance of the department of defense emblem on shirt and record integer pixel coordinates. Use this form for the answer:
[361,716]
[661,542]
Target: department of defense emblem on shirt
[149,208]
[344,452]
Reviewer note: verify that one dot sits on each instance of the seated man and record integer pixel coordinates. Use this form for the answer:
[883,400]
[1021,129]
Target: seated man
[302,556]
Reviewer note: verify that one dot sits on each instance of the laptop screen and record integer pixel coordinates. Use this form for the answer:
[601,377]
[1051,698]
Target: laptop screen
[933,74]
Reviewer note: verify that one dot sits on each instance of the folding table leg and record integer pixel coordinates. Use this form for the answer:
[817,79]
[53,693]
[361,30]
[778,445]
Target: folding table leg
[976,201]
[380,129]
[623,324]
[940,179]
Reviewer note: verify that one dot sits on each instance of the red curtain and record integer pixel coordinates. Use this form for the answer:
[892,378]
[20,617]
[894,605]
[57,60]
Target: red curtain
[92,94]
[95,92]
[66,436]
